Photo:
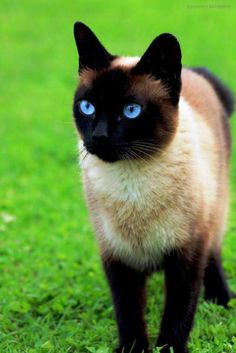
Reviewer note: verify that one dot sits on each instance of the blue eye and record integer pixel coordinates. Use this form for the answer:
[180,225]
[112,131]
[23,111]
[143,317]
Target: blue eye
[86,108]
[132,110]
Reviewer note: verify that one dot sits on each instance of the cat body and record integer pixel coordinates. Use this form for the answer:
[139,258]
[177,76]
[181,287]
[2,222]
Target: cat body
[144,216]
[162,201]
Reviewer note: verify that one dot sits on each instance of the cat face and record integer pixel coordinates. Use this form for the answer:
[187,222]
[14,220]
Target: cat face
[126,109]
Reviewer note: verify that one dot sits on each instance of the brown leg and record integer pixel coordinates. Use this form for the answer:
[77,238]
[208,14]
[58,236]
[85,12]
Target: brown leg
[128,292]
[183,278]
[216,288]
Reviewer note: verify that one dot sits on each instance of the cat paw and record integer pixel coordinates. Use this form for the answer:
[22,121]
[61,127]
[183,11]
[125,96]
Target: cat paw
[222,299]
[132,350]
[166,349]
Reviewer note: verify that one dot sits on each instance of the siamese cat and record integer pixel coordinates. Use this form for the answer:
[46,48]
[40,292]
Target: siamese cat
[155,147]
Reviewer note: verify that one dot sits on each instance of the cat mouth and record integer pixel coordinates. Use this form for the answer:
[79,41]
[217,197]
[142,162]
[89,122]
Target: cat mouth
[105,152]
[111,153]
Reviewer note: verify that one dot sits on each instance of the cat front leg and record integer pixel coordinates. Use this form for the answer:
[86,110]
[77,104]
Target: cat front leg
[183,280]
[128,293]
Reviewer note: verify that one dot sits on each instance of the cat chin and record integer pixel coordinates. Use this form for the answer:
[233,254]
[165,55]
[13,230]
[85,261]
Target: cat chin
[108,157]
[113,157]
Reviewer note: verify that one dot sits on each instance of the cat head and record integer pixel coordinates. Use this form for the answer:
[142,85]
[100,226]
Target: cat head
[126,108]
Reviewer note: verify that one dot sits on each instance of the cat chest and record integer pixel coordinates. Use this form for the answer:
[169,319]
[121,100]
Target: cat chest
[136,218]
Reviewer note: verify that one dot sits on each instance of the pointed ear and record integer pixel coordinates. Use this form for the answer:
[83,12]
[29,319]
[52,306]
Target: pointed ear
[92,54]
[162,60]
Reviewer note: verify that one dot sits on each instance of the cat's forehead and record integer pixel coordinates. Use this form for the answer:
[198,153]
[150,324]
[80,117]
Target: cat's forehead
[120,64]
[125,61]
[119,79]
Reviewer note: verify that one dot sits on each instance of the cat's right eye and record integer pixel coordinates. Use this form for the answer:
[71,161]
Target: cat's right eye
[86,108]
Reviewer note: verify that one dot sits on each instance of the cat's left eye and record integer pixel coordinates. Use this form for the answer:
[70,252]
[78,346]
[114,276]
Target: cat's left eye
[132,110]
[86,108]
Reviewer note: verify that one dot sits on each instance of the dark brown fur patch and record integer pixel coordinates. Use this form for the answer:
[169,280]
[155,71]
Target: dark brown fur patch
[109,90]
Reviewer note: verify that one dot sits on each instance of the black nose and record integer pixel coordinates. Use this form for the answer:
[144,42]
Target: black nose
[100,133]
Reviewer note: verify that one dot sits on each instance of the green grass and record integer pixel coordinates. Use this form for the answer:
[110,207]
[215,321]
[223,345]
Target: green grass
[53,295]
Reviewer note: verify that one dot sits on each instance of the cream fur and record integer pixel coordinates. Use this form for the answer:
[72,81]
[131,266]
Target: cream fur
[126,61]
[142,210]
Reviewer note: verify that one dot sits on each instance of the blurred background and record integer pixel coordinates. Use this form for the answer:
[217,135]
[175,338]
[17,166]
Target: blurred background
[53,295]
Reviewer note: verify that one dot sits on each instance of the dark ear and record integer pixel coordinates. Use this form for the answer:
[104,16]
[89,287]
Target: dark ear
[92,54]
[162,60]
